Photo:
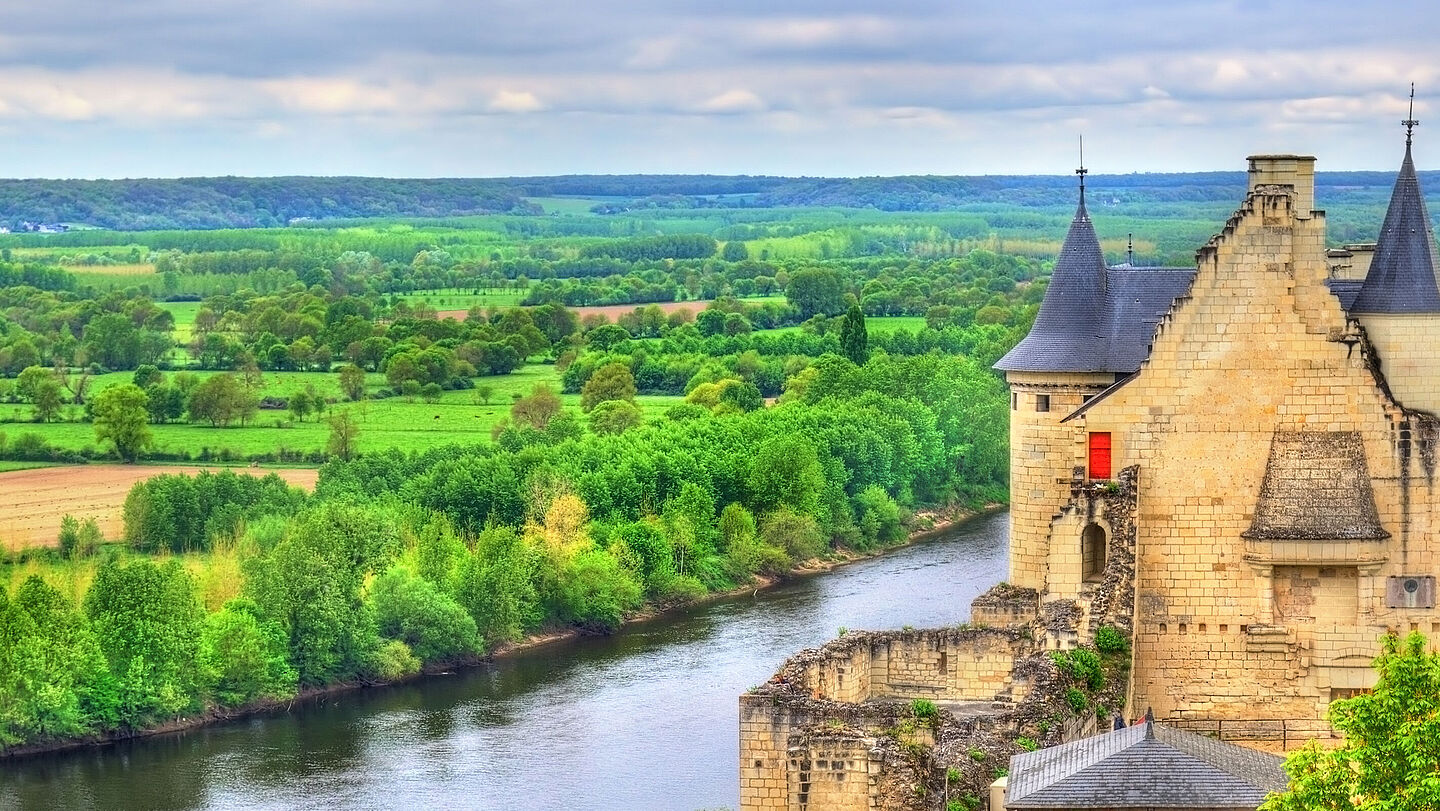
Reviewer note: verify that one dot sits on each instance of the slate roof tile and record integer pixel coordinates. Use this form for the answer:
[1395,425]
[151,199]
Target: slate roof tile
[1095,318]
[1143,766]
[1402,276]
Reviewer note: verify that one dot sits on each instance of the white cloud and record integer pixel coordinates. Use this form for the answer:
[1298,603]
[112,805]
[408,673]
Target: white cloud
[509,101]
[732,102]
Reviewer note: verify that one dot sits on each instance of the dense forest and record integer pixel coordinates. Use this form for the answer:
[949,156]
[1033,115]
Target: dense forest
[238,202]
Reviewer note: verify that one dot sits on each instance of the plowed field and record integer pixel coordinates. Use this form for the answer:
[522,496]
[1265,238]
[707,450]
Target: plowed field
[32,502]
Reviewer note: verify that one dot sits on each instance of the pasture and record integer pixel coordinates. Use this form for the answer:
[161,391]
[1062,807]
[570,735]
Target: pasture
[462,416]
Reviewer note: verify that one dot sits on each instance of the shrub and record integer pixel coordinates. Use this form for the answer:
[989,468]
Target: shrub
[393,660]
[1077,700]
[1027,744]
[923,709]
[1109,639]
[1082,665]
[410,608]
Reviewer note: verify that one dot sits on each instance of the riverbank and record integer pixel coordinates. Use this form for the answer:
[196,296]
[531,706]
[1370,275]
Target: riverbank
[932,524]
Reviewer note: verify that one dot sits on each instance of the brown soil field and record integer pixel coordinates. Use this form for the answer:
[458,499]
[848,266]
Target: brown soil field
[611,311]
[32,502]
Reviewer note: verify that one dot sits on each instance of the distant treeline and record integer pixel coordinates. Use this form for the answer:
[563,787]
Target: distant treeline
[240,202]
[245,202]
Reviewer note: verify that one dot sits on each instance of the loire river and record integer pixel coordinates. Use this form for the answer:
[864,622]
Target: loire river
[645,719]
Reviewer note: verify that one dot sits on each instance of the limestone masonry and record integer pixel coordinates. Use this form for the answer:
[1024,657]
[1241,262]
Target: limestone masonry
[1232,465]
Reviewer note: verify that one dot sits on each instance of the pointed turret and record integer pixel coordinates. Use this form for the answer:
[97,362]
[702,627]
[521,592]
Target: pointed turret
[1402,276]
[1071,330]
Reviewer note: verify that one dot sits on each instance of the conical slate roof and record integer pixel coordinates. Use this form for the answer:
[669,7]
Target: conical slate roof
[1070,331]
[1095,318]
[1402,273]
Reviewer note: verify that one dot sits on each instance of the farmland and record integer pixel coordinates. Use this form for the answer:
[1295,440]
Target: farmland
[37,499]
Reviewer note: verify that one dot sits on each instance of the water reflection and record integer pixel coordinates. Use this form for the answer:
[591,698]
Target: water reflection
[644,719]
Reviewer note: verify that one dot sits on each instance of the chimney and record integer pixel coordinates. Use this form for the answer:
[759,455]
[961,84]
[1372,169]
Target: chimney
[1297,171]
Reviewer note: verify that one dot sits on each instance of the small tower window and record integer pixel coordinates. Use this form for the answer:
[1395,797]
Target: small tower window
[1042,402]
[1014,401]
[1092,553]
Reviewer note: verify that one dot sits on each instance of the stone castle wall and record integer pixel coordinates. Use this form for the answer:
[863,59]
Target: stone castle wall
[1236,629]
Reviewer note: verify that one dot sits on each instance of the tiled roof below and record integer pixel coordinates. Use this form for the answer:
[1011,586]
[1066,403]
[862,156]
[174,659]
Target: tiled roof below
[1144,766]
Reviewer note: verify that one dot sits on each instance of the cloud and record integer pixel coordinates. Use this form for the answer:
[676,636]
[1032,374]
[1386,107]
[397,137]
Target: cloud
[507,101]
[732,102]
[831,86]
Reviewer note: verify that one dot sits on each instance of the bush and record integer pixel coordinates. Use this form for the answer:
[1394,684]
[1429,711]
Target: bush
[1109,639]
[1082,665]
[1077,700]
[924,709]
[410,609]
[244,658]
[393,660]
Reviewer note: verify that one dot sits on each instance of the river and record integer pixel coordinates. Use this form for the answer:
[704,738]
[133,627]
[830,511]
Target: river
[644,719]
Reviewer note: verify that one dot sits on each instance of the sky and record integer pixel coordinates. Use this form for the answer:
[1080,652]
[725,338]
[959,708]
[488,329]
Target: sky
[459,88]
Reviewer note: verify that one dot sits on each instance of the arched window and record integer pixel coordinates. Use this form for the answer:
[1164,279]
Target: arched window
[1092,553]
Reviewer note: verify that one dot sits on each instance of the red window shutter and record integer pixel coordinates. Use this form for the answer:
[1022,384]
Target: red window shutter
[1100,456]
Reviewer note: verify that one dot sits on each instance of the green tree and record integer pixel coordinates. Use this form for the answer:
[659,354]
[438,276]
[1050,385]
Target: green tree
[352,381]
[121,418]
[344,431]
[411,609]
[39,386]
[614,417]
[221,400]
[854,340]
[606,337]
[244,656]
[164,403]
[54,679]
[148,622]
[310,583]
[786,471]
[146,375]
[300,405]
[69,535]
[613,381]
[494,583]
[741,395]
[734,251]
[816,291]
[1390,760]
[536,409]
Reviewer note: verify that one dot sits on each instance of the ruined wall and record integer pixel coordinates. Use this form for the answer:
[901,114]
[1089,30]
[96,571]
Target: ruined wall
[1260,346]
[863,682]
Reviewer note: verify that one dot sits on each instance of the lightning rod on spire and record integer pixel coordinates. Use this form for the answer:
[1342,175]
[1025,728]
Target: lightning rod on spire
[1082,171]
[1410,121]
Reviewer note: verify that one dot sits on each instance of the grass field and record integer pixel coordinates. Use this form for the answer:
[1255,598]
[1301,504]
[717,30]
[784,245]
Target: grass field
[459,417]
[566,205]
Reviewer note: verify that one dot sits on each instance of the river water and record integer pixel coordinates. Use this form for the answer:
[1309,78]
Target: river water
[644,719]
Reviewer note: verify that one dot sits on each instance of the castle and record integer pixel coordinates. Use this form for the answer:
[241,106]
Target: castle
[1277,404]
[1233,465]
